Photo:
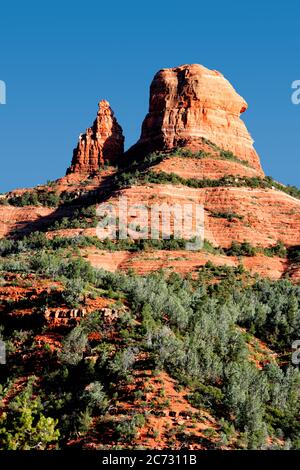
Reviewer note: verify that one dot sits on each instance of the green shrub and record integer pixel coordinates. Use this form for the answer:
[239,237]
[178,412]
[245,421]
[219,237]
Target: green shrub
[123,362]
[276,250]
[74,346]
[23,426]
[73,292]
[127,429]
[82,217]
[94,397]
[227,215]
[36,198]
[241,249]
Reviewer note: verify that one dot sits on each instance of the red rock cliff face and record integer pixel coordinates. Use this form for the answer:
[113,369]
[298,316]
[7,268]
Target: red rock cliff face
[189,102]
[102,143]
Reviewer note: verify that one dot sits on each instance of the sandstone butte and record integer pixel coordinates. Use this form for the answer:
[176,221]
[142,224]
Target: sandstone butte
[190,102]
[194,108]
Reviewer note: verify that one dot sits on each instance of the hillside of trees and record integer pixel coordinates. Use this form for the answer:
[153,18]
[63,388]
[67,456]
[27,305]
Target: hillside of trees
[224,336]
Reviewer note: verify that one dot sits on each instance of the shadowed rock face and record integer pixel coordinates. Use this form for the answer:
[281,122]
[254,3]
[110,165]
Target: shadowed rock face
[190,102]
[103,143]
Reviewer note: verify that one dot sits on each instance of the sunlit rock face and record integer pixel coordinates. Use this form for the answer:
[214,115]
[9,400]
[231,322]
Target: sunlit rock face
[191,102]
[103,143]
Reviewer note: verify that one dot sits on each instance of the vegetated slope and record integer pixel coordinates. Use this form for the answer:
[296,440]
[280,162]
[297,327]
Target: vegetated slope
[185,262]
[238,208]
[109,360]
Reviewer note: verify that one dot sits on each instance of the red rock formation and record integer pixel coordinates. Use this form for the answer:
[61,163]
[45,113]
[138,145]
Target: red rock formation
[102,143]
[267,215]
[188,105]
[187,262]
[190,102]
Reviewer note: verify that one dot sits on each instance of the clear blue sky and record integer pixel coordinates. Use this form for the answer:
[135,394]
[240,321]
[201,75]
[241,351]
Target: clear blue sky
[59,59]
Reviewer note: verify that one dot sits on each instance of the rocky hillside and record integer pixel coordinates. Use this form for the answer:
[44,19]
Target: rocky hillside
[201,151]
[141,342]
